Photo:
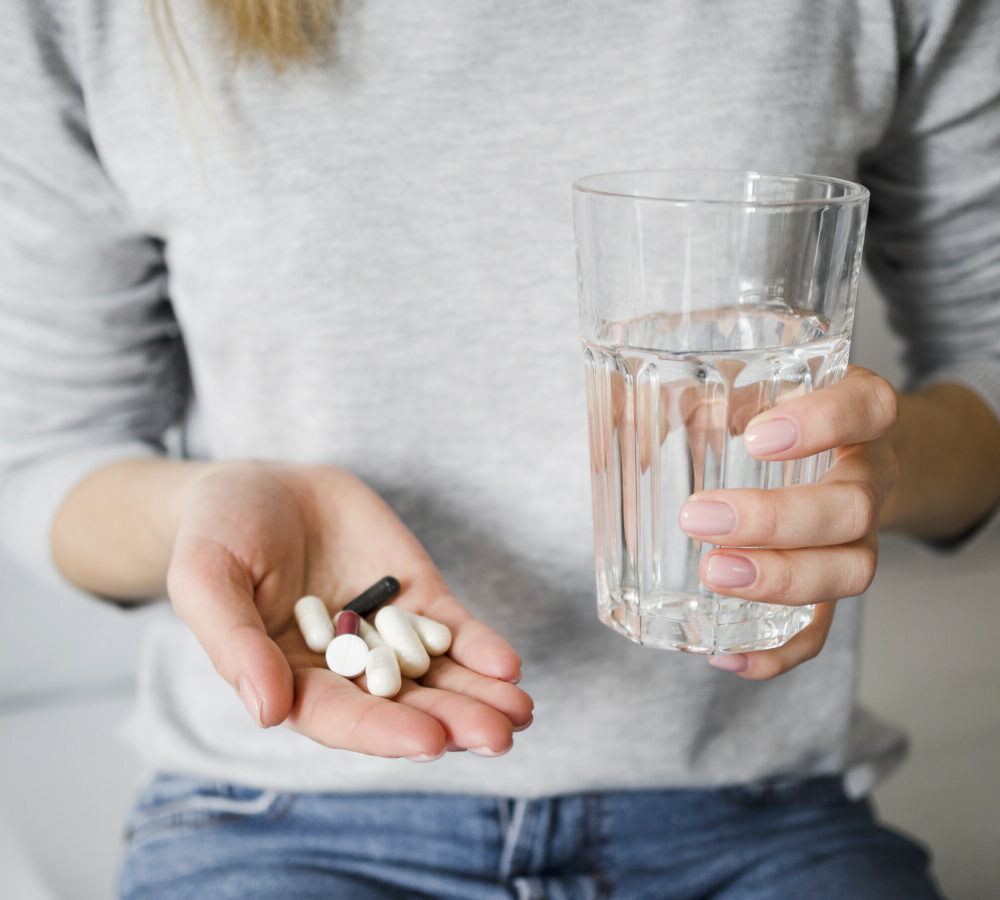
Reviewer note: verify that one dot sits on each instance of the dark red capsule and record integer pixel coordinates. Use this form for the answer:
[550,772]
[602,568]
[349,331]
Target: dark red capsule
[348,622]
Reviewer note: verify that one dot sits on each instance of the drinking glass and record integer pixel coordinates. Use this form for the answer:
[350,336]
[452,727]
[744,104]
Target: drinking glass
[706,297]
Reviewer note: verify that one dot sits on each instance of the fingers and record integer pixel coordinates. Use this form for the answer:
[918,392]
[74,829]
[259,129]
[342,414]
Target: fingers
[859,408]
[765,664]
[214,594]
[512,702]
[337,713]
[792,578]
[843,507]
[468,724]
[474,644]
[451,708]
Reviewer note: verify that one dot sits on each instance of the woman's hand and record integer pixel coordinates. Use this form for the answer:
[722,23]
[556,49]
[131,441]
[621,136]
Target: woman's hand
[808,543]
[253,538]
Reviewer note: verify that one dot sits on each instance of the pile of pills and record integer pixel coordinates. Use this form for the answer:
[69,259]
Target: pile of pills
[399,644]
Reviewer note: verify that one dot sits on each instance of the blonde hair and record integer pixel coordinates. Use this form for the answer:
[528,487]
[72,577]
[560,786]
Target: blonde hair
[282,31]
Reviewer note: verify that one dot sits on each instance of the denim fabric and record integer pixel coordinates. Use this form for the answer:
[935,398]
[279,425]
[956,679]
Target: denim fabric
[189,839]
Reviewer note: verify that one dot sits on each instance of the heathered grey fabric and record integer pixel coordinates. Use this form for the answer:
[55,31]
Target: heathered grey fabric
[369,261]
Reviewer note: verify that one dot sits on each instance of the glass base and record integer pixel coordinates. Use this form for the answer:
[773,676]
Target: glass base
[702,624]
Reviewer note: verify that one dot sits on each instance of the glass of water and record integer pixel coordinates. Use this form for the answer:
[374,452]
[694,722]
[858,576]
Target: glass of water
[706,297]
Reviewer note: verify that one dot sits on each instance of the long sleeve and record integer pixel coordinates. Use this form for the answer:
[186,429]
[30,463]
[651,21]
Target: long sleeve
[92,368]
[933,241]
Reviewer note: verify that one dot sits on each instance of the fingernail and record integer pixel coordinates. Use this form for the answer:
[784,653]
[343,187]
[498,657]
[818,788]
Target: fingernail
[525,725]
[486,751]
[707,517]
[251,700]
[770,437]
[425,757]
[516,679]
[728,571]
[737,662]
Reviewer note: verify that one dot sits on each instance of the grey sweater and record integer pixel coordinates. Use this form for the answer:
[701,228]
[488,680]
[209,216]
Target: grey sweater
[368,261]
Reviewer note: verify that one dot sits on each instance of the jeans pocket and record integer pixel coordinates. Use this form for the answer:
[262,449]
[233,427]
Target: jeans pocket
[170,804]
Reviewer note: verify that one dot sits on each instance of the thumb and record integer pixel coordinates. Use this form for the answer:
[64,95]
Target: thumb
[213,593]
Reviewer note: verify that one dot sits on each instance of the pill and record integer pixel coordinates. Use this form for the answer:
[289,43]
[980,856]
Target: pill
[347,622]
[368,633]
[377,595]
[396,630]
[313,619]
[347,655]
[382,672]
[434,635]
[371,637]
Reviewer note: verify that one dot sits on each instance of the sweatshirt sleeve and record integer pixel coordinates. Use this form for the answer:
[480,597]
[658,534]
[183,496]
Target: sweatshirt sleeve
[92,368]
[933,238]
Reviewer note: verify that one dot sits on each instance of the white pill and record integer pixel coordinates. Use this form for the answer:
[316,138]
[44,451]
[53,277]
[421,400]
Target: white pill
[434,635]
[382,672]
[347,655]
[372,638]
[398,633]
[314,622]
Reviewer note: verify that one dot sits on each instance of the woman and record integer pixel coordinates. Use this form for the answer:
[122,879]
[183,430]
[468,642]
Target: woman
[332,273]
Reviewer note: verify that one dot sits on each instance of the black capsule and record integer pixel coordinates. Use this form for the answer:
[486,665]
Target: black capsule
[377,595]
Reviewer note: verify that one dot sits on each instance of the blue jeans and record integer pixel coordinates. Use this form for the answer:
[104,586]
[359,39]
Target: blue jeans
[792,840]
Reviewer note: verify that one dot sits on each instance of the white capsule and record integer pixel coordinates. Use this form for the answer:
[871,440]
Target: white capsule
[434,635]
[347,655]
[314,622]
[382,672]
[372,638]
[398,633]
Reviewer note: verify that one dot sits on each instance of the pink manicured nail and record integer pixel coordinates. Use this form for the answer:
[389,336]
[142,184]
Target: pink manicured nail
[770,437]
[737,662]
[728,571]
[707,517]
[251,700]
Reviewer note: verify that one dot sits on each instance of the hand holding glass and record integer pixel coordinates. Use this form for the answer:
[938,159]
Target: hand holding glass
[705,299]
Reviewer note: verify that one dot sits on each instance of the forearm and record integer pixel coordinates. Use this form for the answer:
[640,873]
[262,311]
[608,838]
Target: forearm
[114,533]
[947,444]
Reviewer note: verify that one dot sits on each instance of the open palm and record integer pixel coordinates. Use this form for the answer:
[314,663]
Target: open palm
[254,538]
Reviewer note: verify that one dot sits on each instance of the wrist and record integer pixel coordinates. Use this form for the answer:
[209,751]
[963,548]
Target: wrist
[946,442]
[114,532]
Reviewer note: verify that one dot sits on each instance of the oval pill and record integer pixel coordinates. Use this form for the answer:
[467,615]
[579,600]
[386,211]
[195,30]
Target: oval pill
[371,637]
[434,635]
[347,655]
[313,619]
[396,630]
[382,672]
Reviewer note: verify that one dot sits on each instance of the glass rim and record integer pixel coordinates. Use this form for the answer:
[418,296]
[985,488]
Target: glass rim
[854,193]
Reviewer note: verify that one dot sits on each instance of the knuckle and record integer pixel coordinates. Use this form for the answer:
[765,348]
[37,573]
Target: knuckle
[780,577]
[765,518]
[885,401]
[864,562]
[862,508]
